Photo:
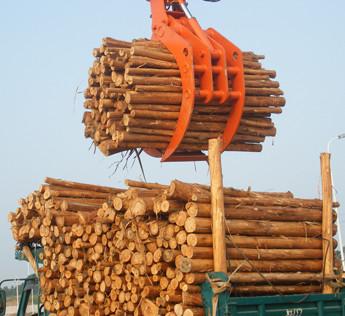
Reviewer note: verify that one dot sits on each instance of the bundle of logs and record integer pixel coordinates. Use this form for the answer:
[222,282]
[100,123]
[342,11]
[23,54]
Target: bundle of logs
[146,250]
[134,98]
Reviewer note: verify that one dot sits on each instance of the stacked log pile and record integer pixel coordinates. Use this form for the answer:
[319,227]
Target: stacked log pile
[134,97]
[145,250]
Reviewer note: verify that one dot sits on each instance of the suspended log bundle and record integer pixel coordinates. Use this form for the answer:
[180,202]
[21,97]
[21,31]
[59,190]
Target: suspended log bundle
[147,249]
[134,98]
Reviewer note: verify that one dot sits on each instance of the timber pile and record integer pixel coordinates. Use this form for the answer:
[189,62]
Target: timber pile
[134,96]
[145,250]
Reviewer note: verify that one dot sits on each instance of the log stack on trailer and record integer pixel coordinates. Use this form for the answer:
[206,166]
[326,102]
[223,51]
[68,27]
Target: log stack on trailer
[146,249]
[135,93]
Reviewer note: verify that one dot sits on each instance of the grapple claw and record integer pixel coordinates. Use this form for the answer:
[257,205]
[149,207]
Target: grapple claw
[216,62]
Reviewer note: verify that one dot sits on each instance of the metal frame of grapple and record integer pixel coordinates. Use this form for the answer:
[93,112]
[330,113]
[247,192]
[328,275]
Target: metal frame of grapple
[206,54]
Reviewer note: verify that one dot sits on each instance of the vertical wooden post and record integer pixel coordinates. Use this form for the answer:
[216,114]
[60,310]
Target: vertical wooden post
[217,205]
[327,220]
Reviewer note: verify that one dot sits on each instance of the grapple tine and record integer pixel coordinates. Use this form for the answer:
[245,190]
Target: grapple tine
[237,94]
[183,53]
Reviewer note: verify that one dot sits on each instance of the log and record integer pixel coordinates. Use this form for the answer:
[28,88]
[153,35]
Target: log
[75,193]
[253,254]
[198,193]
[193,311]
[281,289]
[148,308]
[31,259]
[205,240]
[260,213]
[187,265]
[81,186]
[327,222]
[257,228]
[144,185]
[217,205]
[254,277]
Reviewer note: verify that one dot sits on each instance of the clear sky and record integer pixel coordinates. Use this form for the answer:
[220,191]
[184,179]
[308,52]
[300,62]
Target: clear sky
[46,50]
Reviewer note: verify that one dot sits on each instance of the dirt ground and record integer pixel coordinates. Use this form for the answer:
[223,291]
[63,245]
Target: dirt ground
[11,308]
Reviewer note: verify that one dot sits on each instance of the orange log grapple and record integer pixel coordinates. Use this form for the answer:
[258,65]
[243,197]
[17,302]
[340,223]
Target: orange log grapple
[203,54]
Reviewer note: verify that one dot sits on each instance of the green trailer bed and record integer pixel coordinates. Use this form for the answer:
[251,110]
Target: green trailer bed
[289,305]
[277,305]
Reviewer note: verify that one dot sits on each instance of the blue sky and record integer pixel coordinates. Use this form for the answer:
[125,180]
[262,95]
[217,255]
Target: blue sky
[46,49]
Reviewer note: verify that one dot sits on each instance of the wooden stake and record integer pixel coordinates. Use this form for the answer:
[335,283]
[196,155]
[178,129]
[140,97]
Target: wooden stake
[217,205]
[327,241]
